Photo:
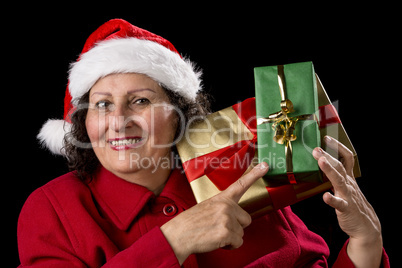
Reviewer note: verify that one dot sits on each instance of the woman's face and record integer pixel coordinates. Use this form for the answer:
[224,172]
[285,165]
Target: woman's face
[130,123]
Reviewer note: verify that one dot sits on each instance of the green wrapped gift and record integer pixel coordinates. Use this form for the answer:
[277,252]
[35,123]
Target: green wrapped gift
[287,128]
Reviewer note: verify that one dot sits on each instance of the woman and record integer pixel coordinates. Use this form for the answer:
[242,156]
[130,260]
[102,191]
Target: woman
[128,204]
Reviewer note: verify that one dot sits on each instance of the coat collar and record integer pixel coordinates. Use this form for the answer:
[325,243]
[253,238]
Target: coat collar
[122,201]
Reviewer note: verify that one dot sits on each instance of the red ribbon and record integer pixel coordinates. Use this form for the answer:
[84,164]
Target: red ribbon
[224,166]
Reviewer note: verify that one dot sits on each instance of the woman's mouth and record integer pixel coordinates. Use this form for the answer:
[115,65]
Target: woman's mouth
[125,143]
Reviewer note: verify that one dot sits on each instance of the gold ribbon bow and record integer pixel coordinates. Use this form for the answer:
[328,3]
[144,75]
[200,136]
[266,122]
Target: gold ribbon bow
[284,125]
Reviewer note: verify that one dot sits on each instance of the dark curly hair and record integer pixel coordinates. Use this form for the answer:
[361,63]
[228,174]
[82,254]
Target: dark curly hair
[82,158]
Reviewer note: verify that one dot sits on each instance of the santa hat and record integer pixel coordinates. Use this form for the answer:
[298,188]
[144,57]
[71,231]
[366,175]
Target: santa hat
[119,47]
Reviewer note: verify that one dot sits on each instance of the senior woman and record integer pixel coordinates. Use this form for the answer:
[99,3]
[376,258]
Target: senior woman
[128,204]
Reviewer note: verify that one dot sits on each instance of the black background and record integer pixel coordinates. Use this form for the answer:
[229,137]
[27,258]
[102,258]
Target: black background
[351,48]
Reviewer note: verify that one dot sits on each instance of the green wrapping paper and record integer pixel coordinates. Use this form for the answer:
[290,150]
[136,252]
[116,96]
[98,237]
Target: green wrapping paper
[273,85]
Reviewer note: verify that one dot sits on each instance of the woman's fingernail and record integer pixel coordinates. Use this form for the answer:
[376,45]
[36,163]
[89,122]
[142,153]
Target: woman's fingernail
[327,138]
[317,152]
[262,165]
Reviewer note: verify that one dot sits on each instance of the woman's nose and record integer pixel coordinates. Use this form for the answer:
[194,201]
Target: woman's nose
[120,120]
[118,123]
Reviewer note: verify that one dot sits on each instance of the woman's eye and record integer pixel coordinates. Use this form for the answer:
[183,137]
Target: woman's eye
[141,101]
[103,105]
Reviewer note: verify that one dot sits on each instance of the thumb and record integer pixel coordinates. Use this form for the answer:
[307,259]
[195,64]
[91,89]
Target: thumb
[239,187]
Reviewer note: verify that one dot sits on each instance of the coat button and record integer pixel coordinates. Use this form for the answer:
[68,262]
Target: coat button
[169,210]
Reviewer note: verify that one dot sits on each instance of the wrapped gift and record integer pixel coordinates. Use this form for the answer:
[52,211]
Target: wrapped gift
[220,148]
[286,103]
[289,123]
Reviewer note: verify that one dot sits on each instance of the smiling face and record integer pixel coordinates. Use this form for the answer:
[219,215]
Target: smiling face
[130,124]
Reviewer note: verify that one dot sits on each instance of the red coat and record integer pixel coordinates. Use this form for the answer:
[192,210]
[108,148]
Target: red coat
[111,222]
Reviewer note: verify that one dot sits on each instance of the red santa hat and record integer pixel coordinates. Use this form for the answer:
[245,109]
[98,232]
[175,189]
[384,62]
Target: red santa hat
[119,47]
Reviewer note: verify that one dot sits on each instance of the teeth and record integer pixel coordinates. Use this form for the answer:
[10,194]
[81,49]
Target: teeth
[124,142]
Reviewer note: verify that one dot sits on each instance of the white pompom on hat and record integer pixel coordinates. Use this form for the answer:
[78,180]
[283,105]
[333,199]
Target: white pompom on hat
[120,47]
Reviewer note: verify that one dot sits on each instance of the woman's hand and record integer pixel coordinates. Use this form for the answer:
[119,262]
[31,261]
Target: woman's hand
[214,223]
[356,216]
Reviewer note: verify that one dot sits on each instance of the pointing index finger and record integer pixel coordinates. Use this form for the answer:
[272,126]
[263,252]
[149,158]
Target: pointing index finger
[239,187]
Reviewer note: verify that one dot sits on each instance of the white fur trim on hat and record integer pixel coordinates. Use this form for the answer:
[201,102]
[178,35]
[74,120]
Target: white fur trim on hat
[132,55]
[52,134]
